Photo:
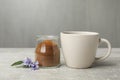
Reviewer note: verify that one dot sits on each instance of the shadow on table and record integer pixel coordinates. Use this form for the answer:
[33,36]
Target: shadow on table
[100,64]
[103,64]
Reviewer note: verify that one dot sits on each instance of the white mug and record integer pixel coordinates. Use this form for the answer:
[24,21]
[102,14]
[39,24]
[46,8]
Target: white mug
[79,48]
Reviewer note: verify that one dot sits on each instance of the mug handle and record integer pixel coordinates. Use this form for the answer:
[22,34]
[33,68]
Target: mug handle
[108,51]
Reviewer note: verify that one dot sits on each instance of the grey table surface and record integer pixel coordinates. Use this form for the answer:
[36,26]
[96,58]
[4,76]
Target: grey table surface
[106,70]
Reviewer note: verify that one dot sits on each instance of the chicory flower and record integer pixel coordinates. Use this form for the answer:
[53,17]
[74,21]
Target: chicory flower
[27,62]
[35,65]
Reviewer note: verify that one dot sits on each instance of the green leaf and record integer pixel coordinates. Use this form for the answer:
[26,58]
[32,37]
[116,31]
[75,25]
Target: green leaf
[17,63]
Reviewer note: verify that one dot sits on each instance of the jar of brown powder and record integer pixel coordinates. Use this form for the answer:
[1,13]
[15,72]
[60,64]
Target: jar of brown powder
[47,51]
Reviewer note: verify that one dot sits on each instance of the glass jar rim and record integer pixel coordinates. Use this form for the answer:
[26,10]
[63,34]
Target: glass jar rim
[43,37]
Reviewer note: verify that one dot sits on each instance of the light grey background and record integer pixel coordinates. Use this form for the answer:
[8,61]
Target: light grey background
[21,20]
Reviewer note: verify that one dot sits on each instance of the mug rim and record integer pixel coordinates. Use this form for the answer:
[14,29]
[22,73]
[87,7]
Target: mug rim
[79,33]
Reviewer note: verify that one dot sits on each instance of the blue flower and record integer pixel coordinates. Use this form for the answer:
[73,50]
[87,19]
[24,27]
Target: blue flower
[35,65]
[27,62]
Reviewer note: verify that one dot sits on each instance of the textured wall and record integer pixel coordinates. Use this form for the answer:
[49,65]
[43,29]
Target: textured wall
[21,20]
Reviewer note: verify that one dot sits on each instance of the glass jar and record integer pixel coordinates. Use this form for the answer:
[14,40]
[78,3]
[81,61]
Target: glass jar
[47,51]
